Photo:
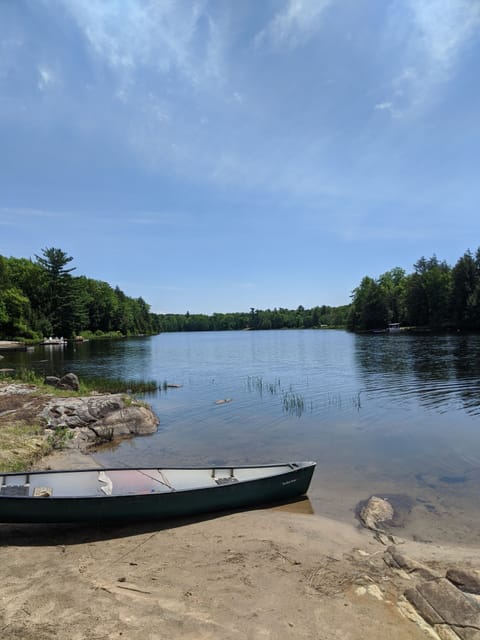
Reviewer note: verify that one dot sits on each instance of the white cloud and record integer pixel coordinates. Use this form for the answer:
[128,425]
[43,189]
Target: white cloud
[296,23]
[46,77]
[382,106]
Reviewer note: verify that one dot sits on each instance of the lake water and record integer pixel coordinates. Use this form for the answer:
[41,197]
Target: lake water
[381,414]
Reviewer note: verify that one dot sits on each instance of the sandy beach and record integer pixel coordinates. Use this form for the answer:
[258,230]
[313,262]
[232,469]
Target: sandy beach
[278,572]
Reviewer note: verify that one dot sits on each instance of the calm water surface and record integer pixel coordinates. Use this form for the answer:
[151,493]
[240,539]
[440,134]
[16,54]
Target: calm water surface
[380,414]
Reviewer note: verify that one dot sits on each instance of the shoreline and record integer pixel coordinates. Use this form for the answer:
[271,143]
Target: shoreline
[275,572]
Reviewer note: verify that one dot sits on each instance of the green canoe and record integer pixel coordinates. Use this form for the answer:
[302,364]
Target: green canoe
[146,493]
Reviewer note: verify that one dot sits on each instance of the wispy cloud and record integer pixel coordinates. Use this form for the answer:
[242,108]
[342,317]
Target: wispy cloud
[164,218]
[17,215]
[445,27]
[163,36]
[298,21]
[440,33]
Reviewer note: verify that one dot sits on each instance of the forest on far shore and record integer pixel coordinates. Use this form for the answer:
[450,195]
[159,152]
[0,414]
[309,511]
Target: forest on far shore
[41,298]
[435,296]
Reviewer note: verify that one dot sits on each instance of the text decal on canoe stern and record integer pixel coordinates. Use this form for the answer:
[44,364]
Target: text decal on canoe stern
[289,482]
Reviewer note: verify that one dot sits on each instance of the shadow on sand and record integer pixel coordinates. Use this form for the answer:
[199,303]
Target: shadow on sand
[45,535]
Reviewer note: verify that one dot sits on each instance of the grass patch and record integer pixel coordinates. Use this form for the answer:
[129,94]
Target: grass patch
[21,446]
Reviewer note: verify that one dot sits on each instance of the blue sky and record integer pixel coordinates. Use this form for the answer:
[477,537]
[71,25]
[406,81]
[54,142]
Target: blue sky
[214,156]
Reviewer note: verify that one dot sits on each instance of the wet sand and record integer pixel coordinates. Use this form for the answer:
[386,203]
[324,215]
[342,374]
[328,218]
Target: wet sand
[268,573]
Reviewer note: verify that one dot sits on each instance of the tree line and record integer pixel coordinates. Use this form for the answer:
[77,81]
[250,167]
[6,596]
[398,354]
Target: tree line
[434,296]
[299,318]
[41,297]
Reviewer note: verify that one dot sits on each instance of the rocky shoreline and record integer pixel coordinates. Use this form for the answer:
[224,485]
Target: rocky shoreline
[32,422]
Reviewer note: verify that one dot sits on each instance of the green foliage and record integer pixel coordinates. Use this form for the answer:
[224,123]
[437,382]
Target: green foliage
[300,318]
[433,296]
[43,298]
[59,438]
[428,292]
[369,308]
[465,298]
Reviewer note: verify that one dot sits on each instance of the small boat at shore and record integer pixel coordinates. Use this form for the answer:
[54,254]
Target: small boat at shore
[54,342]
[393,327]
[151,493]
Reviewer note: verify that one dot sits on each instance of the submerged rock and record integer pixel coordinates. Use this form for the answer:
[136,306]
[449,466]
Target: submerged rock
[375,512]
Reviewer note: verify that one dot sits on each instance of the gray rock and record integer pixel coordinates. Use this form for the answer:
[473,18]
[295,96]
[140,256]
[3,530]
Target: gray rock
[51,380]
[464,579]
[95,419]
[69,381]
[375,512]
[439,602]
[399,560]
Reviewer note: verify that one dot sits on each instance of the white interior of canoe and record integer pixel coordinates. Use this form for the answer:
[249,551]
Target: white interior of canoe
[113,482]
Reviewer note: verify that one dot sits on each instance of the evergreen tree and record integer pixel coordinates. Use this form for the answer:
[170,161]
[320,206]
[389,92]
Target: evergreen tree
[64,307]
[369,309]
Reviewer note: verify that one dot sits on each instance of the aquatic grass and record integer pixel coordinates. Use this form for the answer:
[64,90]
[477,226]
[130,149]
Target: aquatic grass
[339,401]
[88,384]
[256,383]
[293,403]
[116,385]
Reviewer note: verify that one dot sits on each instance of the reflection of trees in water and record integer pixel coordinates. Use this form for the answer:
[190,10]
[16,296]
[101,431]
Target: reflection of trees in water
[467,368]
[437,370]
[128,359]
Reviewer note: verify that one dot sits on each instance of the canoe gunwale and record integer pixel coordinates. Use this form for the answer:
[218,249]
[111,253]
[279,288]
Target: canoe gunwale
[295,467]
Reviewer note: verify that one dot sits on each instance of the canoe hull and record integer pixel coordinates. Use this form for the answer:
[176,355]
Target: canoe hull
[158,506]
